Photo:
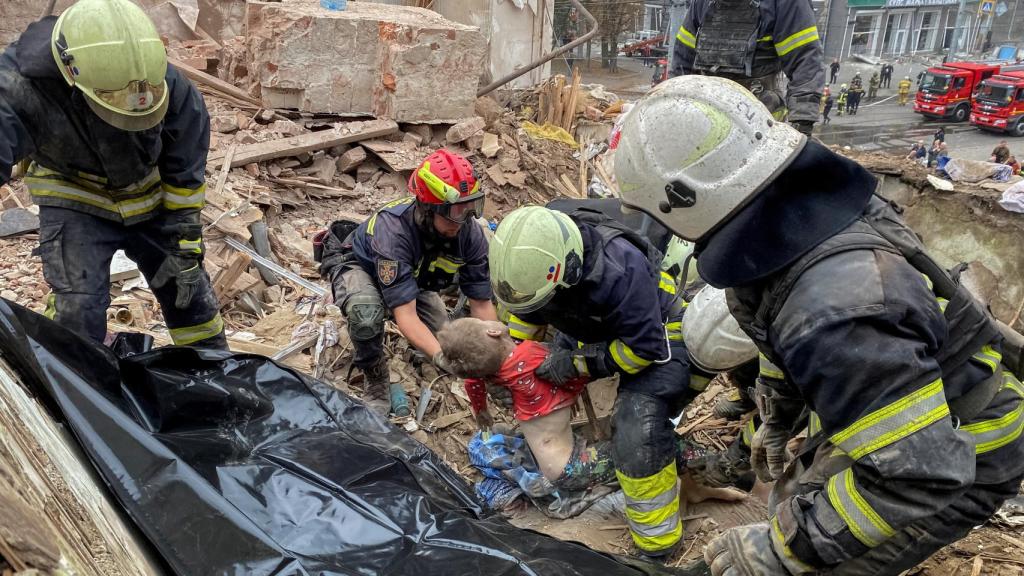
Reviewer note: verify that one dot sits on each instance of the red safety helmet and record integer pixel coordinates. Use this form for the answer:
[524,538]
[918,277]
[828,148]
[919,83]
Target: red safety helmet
[445,183]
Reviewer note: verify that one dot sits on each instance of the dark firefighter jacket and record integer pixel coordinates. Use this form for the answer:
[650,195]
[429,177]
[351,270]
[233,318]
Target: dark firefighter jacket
[861,336]
[82,163]
[623,299]
[781,35]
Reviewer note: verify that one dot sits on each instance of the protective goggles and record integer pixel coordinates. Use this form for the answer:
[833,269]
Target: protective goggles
[521,302]
[463,210]
[138,97]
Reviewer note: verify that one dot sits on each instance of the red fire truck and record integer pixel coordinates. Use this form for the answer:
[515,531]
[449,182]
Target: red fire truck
[945,91]
[998,104]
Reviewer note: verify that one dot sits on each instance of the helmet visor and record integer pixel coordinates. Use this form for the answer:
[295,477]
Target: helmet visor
[521,302]
[138,97]
[470,207]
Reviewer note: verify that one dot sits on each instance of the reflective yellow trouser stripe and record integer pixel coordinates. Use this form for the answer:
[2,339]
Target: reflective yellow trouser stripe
[522,330]
[186,335]
[652,509]
[813,424]
[996,433]
[864,522]
[893,422]
[51,306]
[769,370]
[805,36]
[626,358]
[747,436]
[667,283]
[687,38]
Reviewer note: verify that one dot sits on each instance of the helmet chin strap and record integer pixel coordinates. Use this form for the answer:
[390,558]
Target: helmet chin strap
[424,218]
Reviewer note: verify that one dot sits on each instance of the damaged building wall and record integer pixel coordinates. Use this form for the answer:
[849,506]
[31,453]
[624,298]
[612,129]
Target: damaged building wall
[403,63]
[517,32]
[966,225]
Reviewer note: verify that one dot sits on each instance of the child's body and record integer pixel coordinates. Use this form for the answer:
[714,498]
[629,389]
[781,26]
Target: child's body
[483,352]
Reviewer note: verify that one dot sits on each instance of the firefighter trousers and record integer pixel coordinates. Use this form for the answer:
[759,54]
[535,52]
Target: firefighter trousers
[76,250]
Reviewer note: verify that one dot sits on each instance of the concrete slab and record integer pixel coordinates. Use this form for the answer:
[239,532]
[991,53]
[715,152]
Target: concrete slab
[403,63]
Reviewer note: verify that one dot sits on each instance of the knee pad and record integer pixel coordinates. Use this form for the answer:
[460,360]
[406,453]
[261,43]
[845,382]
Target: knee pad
[365,313]
[643,441]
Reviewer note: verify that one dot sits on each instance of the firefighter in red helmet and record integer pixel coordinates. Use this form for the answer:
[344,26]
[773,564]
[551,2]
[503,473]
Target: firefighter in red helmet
[397,261]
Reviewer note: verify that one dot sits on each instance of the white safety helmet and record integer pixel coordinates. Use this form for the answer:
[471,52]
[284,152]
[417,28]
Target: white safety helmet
[697,149]
[713,338]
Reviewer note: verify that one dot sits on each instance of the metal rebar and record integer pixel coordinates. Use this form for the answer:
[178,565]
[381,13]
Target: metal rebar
[547,58]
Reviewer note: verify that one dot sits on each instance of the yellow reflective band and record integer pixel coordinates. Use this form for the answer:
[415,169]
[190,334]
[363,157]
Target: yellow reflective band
[675,330]
[805,36]
[667,283]
[942,304]
[780,544]
[989,357]
[652,508]
[990,435]
[522,330]
[893,422]
[626,358]
[51,306]
[444,264]
[687,38]
[183,198]
[767,38]
[865,524]
[186,335]
[191,245]
[768,370]
[813,424]
[698,382]
[125,208]
[748,432]
[392,204]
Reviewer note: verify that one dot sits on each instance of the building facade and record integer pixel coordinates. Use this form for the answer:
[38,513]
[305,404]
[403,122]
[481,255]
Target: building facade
[893,28]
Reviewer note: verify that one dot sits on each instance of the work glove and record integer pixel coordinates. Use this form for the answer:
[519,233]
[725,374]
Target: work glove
[748,551]
[558,368]
[778,415]
[187,275]
[803,126]
[563,365]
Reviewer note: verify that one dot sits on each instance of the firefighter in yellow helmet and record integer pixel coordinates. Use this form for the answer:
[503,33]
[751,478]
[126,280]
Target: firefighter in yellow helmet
[117,141]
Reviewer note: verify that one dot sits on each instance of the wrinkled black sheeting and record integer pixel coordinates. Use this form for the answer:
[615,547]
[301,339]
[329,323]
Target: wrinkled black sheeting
[819,194]
[230,464]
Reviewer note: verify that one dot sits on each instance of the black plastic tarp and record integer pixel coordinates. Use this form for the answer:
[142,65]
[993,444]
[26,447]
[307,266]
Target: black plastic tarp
[232,464]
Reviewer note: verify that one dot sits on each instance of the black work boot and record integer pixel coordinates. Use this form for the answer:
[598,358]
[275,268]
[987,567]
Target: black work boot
[734,404]
[723,469]
[376,384]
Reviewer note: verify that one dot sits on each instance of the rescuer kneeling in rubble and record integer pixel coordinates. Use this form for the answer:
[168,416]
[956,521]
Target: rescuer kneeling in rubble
[397,261]
[920,423]
[118,142]
[600,284]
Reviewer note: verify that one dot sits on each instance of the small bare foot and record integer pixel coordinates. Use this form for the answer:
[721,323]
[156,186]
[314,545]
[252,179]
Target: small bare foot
[695,492]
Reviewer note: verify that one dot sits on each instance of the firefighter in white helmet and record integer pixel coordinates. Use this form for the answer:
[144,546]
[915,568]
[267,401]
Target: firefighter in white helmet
[921,425]
[716,345]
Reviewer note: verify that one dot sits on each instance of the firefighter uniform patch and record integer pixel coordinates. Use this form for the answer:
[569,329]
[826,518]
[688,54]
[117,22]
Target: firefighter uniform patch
[387,271]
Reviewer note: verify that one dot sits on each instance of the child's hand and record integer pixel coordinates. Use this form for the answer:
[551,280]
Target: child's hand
[484,420]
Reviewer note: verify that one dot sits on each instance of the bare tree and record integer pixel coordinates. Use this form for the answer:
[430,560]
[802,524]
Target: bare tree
[613,17]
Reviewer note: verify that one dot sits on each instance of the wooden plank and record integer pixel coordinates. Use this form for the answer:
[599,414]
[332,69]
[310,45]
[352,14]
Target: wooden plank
[214,82]
[345,134]
[224,282]
[54,509]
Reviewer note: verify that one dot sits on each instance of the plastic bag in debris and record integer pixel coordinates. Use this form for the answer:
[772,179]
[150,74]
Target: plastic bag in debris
[232,464]
[1013,198]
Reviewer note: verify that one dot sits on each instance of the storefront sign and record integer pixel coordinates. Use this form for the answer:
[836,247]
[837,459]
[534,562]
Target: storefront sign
[916,3]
